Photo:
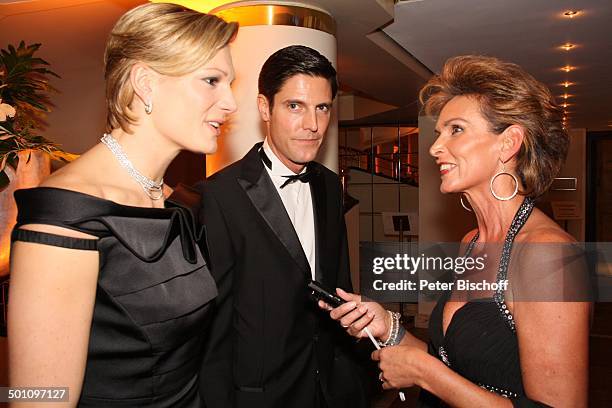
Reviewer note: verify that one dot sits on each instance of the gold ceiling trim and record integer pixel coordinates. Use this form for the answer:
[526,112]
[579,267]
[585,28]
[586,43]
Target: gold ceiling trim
[263,14]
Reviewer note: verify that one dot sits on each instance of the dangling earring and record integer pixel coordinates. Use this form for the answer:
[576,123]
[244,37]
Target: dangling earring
[148,107]
[463,204]
[504,172]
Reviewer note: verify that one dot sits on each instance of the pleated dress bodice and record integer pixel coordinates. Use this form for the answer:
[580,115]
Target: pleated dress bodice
[152,299]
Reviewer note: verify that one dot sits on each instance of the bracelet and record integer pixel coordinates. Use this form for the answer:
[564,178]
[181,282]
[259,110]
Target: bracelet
[400,335]
[381,343]
[396,331]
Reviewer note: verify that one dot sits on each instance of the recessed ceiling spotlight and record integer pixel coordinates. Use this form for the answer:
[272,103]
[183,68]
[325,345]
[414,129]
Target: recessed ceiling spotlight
[566,95]
[568,68]
[571,13]
[565,105]
[568,46]
[567,84]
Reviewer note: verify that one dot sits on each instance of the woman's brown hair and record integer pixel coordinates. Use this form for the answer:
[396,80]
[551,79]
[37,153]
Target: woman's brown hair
[507,96]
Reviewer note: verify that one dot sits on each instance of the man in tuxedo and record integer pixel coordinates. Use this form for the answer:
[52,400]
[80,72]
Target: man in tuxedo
[274,221]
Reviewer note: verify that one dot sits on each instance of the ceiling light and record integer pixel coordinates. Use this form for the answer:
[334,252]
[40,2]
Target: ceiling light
[571,13]
[565,105]
[568,68]
[568,46]
[567,84]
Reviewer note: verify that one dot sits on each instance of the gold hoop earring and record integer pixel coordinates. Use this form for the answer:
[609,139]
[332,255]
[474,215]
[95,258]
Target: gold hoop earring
[148,107]
[463,204]
[500,173]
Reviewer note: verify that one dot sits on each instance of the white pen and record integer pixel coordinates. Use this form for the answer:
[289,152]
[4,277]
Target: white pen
[375,343]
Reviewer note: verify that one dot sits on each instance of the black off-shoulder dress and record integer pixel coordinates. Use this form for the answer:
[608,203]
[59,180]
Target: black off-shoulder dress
[152,299]
[480,342]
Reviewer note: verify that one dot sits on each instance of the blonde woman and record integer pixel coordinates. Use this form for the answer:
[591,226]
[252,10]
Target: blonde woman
[109,291]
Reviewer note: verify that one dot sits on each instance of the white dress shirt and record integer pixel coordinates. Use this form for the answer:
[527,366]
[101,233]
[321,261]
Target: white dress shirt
[297,199]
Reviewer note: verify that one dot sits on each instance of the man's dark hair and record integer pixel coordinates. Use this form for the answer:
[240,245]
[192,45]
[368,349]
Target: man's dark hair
[290,61]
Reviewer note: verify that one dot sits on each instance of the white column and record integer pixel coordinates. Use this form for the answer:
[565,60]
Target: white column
[263,31]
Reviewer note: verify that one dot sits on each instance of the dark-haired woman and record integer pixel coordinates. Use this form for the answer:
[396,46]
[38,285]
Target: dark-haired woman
[500,143]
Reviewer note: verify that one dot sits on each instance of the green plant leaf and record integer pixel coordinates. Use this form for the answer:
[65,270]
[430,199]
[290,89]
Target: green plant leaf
[26,82]
[6,127]
[26,86]
[8,145]
[37,139]
[4,180]
[13,160]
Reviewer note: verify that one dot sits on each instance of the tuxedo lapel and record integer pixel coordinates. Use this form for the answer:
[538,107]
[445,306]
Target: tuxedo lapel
[319,206]
[261,191]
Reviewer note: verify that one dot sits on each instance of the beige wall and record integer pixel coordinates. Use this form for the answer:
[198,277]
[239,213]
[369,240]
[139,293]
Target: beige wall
[575,167]
[354,107]
[73,37]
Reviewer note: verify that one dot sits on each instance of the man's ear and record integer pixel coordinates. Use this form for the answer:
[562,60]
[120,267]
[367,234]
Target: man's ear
[511,140]
[142,79]
[264,108]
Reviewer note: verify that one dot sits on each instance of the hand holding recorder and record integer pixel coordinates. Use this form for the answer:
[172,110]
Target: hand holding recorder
[352,314]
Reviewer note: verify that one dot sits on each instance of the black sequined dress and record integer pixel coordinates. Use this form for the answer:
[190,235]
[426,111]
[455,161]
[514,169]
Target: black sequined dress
[480,342]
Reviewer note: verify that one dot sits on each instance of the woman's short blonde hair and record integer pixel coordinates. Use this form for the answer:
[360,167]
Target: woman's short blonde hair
[169,38]
[507,96]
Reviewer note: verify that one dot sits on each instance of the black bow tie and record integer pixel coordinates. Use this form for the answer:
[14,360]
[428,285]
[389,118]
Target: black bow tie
[305,177]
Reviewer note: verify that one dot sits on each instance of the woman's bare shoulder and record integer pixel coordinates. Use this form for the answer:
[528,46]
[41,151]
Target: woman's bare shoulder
[541,228]
[79,175]
[91,174]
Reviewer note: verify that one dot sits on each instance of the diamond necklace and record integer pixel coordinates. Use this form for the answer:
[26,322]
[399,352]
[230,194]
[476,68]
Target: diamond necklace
[151,188]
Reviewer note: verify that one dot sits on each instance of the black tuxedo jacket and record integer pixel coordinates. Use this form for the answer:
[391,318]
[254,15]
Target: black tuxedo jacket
[269,344]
